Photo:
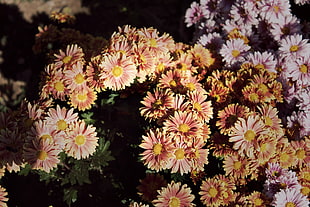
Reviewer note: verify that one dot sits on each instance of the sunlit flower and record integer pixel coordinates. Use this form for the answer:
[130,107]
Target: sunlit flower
[83,99]
[3,197]
[118,71]
[81,140]
[183,124]
[256,199]
[290,197]
[302,153]
[199,155]
[234,50]
[93,71]
[244,134]
[211,192]
[293,46]
[194,14]
[274,10]
[180,161]
[157,148]
[264,60]
[286,25]
[73,54]
[145,62]
[201,105]
[202,57]
[60,118]
[229,116]
[40,154]
[171,80]
[175,194]
[156,104]
[75,79]
[299,69]
[270,117]
[266,148]
[235,166]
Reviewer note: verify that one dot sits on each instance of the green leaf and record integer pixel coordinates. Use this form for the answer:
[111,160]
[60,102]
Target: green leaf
[70,195]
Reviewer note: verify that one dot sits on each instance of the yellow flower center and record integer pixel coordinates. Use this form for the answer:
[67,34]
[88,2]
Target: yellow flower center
[253,97]
[294,48]
[235,53]
[191,86]
[157,149]
[258,202]
[153,42]
[249,135]
[62,124]
[42,155]
[268,121]
[174,202]
[59,86]
[301,154]
[213,192]
[184,128]
[263,88]
[117,71]
[307,176]
[179,154]
[79,78]
[157,103]
[80,139]
[237,165]
[142,59]
[46,136]
[66,59]
[305,191]
[290,204]
[197,106]
[81,97]
[259,66]
[284,157]
[160,67]
[263,147]
[303,68]
[173,83]
[276,9]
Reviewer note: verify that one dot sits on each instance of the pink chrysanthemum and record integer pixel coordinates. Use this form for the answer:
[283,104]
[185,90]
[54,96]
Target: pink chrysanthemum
[180,160]
[236,166]
[211,191]
[157,147]
[294,46]
[265,60]
[83,99]
[290,198]
[274,10]
[3,197]
[270,117]
[81,140]
[73,54]
[60,118]
[75,79]
[234,51]
[299,69]
[201,106]
[171,80]
[174,195]
[156,104]
[194,14]
[302,153]
[244,134]
[183,125]
[118,71]
[144,59]
[41,154]
[93,71]
[199,155]
[286,25]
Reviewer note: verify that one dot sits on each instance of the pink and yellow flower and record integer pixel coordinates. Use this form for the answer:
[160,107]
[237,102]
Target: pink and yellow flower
[83,99]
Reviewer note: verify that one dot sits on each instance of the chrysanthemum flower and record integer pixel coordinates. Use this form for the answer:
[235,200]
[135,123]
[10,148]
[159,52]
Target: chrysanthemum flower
[174,195]
[229,116]
[83,99]
[244,13]
[11,147]
[194,14]
[264,60]
[199,155]
[157,148]
[266,148]
[118,71]
[256,199]
[60,118]
[219,92]
[286,156]
[149,185]
[73,54]
[145,62]
[290,198]
[200,105]
[293,46]
[245,133]
[302,153]
[81,140]
[183,124]
[213,41]
[234,51]
[211,192]
[286,25]
[274,10]
[171,80]
[180,161]
[183,63]
[236,166]
[156,104]
[75,79]
[93,71]
[202,57]
[120,44]
[3,197]
[41,154]
[270,117]
[299,69]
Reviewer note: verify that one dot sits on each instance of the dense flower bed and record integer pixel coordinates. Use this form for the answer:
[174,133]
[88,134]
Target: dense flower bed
[226,118]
